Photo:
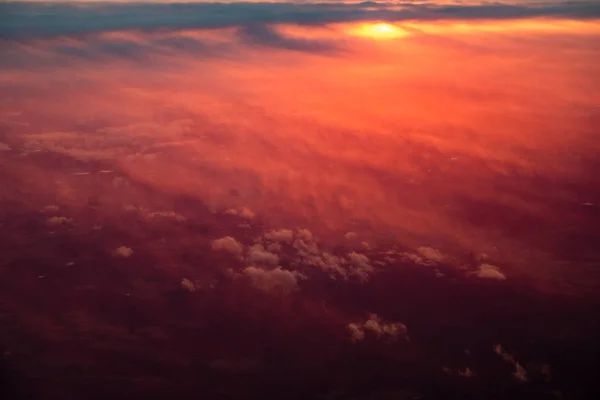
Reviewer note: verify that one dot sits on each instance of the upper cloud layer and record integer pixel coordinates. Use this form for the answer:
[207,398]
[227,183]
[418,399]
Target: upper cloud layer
[18,20]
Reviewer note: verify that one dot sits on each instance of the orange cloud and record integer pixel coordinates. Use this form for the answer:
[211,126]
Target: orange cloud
[429,134]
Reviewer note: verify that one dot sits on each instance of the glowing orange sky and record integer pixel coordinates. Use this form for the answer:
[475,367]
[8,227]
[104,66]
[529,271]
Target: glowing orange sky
[391,131]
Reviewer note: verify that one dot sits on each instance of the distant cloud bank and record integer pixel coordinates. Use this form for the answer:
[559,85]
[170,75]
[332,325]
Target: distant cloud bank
[37,19]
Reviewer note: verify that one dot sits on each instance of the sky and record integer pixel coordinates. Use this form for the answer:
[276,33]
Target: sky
[431,123]
[406,193]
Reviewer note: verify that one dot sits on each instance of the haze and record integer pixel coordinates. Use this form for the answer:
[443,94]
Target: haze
[195,194]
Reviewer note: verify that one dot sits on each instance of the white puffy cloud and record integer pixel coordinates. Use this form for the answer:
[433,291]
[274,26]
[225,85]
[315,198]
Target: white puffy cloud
[430,254]
[4,147]
[350,235]
[188,285]
[243,212]
[228,244]
[274,247]
[417,259]
[123,251]
[305,235]
[356,265]
[305,247]
[375,325]
[257,255]
[356,332]
[328,263]
[361,266]
[358,260]
[488,271]
[275,279]
[282,235]
[57,221]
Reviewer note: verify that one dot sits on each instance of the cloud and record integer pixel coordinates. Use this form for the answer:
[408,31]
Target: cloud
[417,259]
[58,221]
[188,285]
[356,332]
[332,265]
[243,212]
[350,235]
[257,255]
[275,279]
[282,235]
[229,245]
[267,36]
[488,271]
[107,143]
[390,331]
[520,373]
[305,235]
[361,264]
[431,254]
[166,214]
[274,247]
[123,251]
[19,20]
[305,247]
[308,253]
[4,147]
[294,149]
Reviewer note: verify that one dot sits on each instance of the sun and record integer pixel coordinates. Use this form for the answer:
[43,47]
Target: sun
[379,30]
[383,29]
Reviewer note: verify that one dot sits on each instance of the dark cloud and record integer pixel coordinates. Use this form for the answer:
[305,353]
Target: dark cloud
[265,35]
[14,54]
[22,20]
[96,49]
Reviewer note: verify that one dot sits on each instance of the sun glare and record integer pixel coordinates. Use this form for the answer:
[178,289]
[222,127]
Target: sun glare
[379,30]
